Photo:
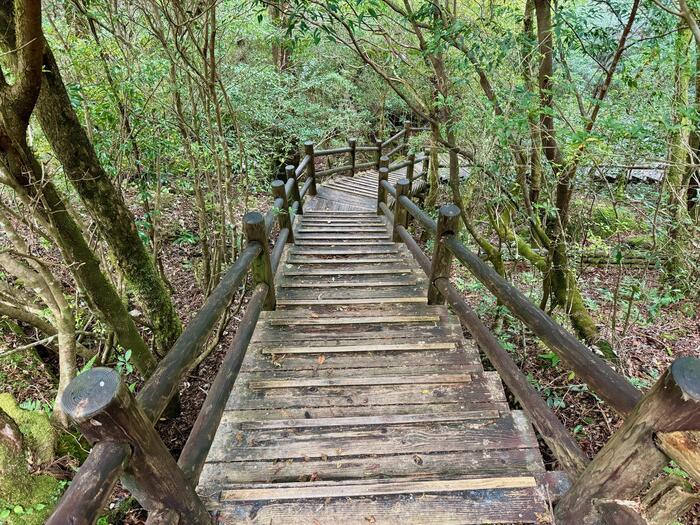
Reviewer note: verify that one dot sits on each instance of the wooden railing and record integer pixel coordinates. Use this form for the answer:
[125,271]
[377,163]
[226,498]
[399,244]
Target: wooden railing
[120,426]
[662,425]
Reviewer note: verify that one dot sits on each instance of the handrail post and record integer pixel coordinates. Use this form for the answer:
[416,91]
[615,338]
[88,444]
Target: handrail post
[448,223]
[406,133]
[426,164]
[383,162]
[378,157]
[279,192]
[353,155]
[381,191]
[631,460]
[400,213]
[254,229]
[410,169]
[296,196]
[311,166]
[104,409]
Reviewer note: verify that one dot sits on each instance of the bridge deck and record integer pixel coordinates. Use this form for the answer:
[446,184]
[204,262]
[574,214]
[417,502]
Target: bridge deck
[358,402]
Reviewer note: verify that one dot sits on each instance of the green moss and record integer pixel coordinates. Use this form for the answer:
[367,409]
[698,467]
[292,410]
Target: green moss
[606,221]
[39,435]
[640,242]
[26,498]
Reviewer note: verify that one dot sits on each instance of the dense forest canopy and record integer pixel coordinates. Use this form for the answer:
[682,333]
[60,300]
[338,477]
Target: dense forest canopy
[135,135]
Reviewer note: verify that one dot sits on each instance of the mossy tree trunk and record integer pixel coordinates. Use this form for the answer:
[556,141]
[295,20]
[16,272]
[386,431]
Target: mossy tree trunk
[677,176]
[102,200]
[39,195]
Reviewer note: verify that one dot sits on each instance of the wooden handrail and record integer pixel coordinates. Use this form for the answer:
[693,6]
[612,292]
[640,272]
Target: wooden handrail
[393,138]
[84,500]
[663,424]
[603,380]
[332,151]
[564,447]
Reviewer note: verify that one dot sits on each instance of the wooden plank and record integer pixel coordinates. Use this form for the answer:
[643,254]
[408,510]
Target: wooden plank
[239,416]
[362,334]
[387,319]
[369,260]
[339,251]
[343,272]
[322,362]
[417,346]
[371,300]
[384,420]
[346,284]
[359,381]
[341,242]
[331,443]
[459,508]
[473,395]
[324,490]
[332,236]
[478,463]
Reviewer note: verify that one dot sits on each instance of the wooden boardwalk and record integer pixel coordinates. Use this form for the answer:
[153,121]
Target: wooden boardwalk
[359,403]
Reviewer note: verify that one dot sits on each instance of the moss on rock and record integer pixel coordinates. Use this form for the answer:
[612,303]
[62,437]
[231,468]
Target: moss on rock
[27,498]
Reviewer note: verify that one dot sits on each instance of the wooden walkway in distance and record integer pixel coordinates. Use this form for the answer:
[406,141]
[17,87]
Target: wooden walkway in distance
[359,403]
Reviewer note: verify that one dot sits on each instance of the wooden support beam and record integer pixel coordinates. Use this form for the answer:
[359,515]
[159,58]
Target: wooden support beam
[254,229]
[448,223]
[296,196]
[284,216]
[352,144]
[407,133]
[311,168]
[381,192]
[378,158]
[104,409]
[400,213]
[630,460]
[410,169]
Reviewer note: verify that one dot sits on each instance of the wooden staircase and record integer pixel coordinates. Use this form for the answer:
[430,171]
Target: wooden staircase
[358,402]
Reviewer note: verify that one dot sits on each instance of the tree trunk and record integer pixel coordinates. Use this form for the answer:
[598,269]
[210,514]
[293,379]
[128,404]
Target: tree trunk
[76,154]
[676,183]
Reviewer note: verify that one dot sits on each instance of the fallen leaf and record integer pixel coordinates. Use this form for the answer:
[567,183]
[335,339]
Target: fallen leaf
[321,359]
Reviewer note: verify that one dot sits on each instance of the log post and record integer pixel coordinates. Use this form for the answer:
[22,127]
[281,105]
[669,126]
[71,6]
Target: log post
[409,170]
[104,409]
[406,133]
[279,192]
[400,213]
[254,229]
[630,460]
[426,164]
[311,166]
[353,155]
[448,223]
[383,162]
[296,196]
[378,156]
[381,191]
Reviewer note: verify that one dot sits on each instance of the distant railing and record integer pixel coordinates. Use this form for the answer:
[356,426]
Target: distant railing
[660,426]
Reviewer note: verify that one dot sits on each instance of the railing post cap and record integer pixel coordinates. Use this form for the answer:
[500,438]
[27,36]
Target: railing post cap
[277,183]
[253,217]
[309,143]
[383,170]
[384,158]
[90,393]
[449,211]
[352,140]
[403,182]
[407,123]
[686,374]
[289,167]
